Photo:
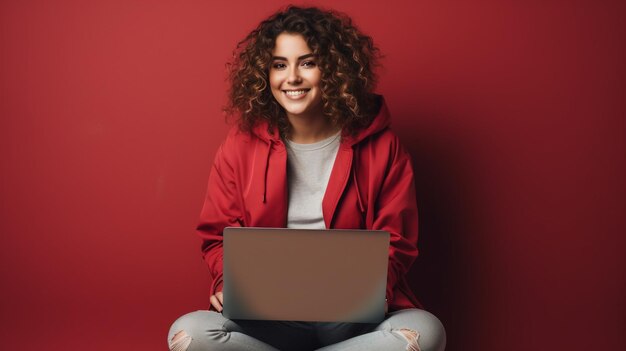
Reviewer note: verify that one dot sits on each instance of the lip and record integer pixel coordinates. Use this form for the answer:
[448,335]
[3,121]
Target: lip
[297,97]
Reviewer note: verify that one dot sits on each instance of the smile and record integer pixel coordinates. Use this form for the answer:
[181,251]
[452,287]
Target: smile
[296,93]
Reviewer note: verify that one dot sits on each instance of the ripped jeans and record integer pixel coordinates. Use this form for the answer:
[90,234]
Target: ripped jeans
[410,329]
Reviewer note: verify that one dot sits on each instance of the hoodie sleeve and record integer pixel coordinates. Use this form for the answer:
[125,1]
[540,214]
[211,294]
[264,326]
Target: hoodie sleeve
[221,209]
[397,213]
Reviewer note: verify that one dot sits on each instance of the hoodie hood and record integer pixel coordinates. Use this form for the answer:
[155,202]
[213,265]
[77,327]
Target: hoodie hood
[379,123]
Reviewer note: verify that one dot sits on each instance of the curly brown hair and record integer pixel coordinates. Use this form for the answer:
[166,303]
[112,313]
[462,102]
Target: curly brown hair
[346,57]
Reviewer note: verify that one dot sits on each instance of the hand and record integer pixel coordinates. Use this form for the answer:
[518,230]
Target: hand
[217,301]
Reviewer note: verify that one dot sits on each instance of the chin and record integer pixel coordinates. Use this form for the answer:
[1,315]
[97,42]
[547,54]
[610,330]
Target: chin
[295,112]
[304,109]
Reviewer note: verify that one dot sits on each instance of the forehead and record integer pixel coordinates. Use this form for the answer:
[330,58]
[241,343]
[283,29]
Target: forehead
[288,44]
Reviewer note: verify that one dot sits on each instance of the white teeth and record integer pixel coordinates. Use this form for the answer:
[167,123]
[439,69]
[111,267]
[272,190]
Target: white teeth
[295,92]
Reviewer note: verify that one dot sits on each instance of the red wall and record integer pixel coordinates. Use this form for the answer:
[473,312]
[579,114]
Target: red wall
[513,112]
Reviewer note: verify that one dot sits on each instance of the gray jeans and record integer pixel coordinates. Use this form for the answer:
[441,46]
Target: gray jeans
[410,329]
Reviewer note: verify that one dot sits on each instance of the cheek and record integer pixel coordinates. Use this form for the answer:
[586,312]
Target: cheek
[315,77]
[275,80]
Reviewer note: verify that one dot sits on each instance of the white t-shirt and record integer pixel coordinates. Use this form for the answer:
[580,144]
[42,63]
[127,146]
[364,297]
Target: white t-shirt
[309,167]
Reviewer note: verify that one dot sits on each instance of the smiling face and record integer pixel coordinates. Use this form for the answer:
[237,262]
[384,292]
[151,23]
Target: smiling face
[295,77]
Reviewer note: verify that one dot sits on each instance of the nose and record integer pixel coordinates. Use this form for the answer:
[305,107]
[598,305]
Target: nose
[294,76]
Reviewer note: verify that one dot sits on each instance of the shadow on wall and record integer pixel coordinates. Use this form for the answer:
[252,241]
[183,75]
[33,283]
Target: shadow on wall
[442,277]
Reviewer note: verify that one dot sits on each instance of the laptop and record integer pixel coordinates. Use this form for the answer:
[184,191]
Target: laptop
[305,274]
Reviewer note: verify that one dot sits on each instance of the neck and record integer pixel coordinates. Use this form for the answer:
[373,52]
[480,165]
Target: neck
[308,130]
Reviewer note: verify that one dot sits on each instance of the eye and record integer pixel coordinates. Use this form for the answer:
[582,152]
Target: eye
[278,65]
[308,64]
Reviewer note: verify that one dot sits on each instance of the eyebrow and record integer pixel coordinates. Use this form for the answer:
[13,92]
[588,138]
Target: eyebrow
[299,58]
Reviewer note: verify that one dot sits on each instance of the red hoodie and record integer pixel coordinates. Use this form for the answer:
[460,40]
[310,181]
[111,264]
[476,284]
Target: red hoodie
[371,186]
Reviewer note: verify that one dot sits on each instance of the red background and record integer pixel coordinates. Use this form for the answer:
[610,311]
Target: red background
[513,112]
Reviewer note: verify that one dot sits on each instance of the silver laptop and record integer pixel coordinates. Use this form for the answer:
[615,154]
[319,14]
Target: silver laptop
[305,275]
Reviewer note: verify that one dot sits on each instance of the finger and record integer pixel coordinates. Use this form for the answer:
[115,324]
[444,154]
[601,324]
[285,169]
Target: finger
[215,303]
[220,297]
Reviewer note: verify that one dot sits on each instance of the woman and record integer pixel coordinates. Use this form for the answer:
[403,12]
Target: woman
[312,149]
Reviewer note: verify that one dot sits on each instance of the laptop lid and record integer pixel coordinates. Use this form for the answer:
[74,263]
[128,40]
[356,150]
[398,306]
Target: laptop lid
[305,275]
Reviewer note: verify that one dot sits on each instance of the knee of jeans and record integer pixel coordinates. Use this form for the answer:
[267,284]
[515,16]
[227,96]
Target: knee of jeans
[410,336]
[197,329]
[179,337]
[430,337]
[180,341]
